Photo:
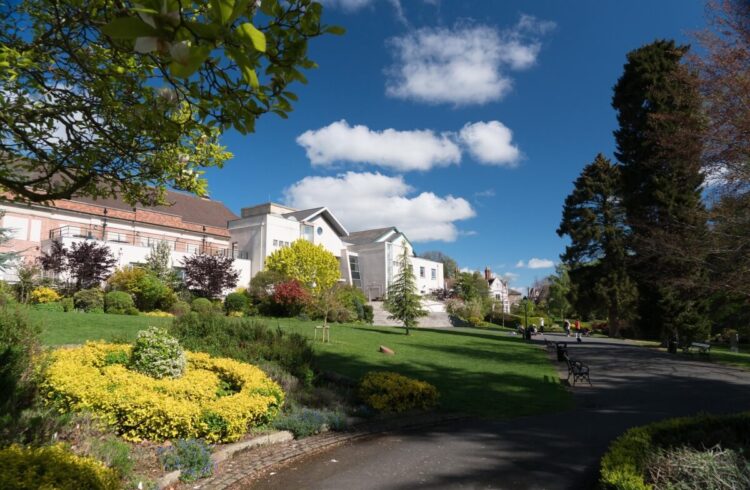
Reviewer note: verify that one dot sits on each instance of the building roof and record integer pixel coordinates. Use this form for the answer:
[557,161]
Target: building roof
[368,236]
[310,214]
[304,214]
[191,209]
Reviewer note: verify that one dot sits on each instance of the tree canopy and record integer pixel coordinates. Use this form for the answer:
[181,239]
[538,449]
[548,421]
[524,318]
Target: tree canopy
[312,265]
[105,98]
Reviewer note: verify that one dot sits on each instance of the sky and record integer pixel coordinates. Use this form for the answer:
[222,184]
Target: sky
[463,123]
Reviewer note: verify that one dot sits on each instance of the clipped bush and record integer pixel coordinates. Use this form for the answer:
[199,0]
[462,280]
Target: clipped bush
[191,457]
[67,304]
[118,302]
[216,399]
[202,306]
[235,302]
[89,300]
[43,295]
[149,292]
[180,308]
[157,354]
[306,422]
[52,467]
[245,339]
[392,392]
[625,465]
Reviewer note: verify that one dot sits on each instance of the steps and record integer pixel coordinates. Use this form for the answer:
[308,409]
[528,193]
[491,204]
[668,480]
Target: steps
[437,317]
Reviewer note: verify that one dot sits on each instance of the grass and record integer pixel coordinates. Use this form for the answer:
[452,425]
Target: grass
[477,371]
[76,328]
[722,354]
[481,372]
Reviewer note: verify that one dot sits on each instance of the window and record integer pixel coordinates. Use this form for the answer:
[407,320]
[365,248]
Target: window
[354,267]
[307,232]
[192,248]
[275,243]
[116,236]
[320,230]
[286,244]
[18,227]
[421,272]
[433,274]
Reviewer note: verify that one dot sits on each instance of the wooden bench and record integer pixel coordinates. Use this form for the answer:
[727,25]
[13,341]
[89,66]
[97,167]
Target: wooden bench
[578,370]
[551,346]
[701,347]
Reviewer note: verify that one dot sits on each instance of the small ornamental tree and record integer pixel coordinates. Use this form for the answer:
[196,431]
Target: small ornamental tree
[56,260]
[89,264]
[291,297]
[209,275]
[159,264]
[312,265]
[6,258]
[403,301]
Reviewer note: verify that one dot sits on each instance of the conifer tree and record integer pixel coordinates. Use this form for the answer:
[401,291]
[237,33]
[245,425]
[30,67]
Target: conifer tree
[659,146]
[594,219]
[403,301]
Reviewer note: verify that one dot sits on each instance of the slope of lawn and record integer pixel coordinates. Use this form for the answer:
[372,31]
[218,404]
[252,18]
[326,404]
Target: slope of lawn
[76,328]
[481,372]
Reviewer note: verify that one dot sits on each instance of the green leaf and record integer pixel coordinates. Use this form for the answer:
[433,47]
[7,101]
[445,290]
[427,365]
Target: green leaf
[335,30]
[248,32]
[206,31]
[222,10]
[198,55]
[246,67]
[128,28]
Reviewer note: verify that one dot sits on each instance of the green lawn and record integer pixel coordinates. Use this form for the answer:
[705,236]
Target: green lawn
[76,328]
[722,354]
[481,372]
[478,371]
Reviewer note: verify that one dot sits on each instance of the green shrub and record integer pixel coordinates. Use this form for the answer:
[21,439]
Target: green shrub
[52,467]
[392,392]
[511,321]
[235,302]
[686,467]
[192,457]
[118,302]
[157,354]
[148,291]
[180,308]
[368,315]
[89,300]
[245,339]
[19,343]
[624,466]
[202,306]
[115,453]
[306,422]
[67,304]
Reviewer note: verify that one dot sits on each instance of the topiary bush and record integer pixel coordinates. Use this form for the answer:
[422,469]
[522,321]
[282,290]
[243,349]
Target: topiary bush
[235,302]
[392,392]
[180,308]
[89,300]
[202,306]
[118,302]
[43,295]
[216,399]
[191,457]
[52,467]
[157,354]
[625,465]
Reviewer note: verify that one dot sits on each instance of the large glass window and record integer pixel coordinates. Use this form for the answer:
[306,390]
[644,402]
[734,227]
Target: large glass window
[354,267]
[307,232]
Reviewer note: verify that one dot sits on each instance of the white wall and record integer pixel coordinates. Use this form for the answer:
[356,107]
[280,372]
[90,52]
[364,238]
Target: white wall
[328,238]
[426,284]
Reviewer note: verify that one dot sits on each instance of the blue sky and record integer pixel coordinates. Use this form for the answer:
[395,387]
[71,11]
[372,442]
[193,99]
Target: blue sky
[462,122]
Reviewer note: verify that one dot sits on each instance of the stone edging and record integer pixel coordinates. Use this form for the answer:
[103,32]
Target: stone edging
[229,450]
[243,467]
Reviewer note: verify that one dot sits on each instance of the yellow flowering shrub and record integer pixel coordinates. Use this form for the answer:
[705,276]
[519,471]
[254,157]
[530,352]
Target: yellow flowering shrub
[158,314]
[52,467]
[392,392]
[43,295]
[216,399]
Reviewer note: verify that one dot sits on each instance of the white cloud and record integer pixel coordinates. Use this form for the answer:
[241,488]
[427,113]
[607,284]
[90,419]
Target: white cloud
[348,5]
[398,150]
[372,200]
[490,143]
[464,65]
[520,264]
[510,276]
[540,263]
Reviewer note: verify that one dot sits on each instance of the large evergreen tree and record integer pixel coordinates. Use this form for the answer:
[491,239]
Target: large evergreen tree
[403,301]
[659,144]
[594,219]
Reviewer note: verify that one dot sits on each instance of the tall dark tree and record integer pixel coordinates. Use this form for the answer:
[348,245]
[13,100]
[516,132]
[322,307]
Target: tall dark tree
[89,264]
[594,219]
[209,275]
[403,301]
[659,144]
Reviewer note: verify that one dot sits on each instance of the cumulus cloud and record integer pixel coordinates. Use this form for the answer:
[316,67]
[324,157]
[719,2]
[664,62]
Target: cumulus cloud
[372,200]
[520,264]
[466,64]
[535,263]
[510,276]
[490,143]
[396,150]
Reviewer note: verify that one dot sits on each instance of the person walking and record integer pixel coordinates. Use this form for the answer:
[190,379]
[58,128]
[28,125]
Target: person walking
[566,326]
[578,331]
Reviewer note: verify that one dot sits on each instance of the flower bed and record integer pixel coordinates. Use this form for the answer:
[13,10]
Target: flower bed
[216,399]
[392,392]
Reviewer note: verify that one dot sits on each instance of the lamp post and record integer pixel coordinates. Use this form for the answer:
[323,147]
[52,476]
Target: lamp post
[526,331]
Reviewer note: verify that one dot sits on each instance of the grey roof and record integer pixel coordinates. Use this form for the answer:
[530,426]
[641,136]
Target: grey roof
[367,236]
[190,208]
[303,214]
[307,214]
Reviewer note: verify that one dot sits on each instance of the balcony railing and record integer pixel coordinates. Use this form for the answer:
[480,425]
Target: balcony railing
[137,239]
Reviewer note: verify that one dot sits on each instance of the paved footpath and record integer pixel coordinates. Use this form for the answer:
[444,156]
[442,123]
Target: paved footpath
[631,386]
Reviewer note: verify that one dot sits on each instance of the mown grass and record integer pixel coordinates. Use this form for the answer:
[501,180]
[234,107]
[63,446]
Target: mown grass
[484,372]
[76,328]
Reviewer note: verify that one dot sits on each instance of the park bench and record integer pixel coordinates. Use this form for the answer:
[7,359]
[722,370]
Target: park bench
[551,346]
[701,347]
[578,370]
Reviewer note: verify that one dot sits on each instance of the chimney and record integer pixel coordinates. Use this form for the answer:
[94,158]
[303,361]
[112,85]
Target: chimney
[487,274]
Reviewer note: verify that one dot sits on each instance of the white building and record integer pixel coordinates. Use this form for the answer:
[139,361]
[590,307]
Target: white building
[498,289]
